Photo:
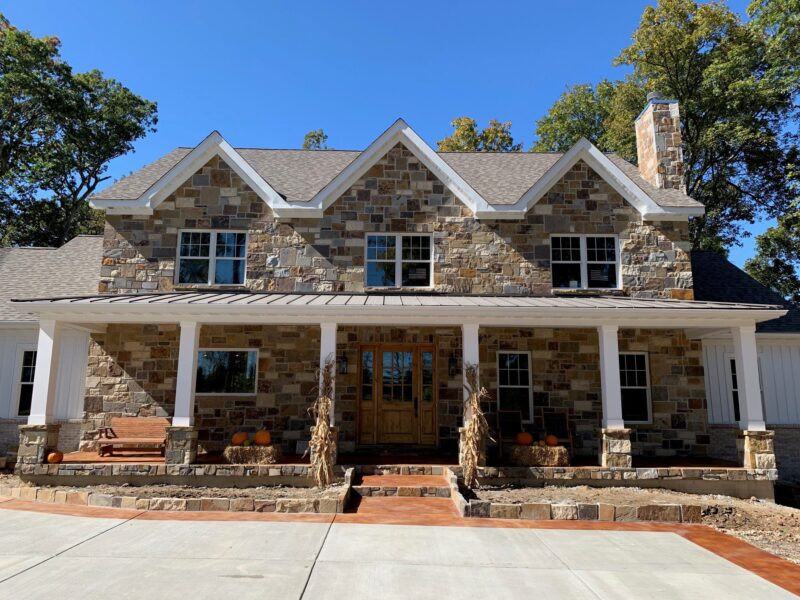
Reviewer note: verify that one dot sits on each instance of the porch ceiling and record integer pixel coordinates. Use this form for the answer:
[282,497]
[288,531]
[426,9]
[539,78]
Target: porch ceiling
[539,311]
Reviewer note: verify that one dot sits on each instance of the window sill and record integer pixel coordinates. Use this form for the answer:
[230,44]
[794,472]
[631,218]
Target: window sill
[587,291]
[397,290]
[195,287]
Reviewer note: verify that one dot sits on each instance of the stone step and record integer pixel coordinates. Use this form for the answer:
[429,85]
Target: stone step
[428,486]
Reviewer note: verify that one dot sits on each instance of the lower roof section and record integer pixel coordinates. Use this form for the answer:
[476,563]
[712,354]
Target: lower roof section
[405,309]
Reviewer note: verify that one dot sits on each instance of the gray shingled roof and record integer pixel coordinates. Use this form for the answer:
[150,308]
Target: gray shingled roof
[718,280]
[501,178]
[72,269]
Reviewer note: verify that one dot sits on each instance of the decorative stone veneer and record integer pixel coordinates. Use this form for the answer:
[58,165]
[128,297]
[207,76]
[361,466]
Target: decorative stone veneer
[566,379]
[759,449]
[398,194]
[786,442]
[181,445]
[35,441]
[658,145]
[616,448]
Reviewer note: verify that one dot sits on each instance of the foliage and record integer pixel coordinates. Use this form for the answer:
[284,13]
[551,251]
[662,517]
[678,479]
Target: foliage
[777,260]
[58,132]
[315,140]
[736,94]
[466,137]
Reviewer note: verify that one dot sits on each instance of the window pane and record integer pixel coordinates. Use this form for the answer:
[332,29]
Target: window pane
[28,366]
[231,245]
[416,247]
[193,270]
[736,413]
[566,248]
[602,275]
[380,274]
[416,274]
[601,249]
[229,271]
[380,247]
[634,404]
[25,396]
[566,275]
[516,399]
[226,372]
[195,243]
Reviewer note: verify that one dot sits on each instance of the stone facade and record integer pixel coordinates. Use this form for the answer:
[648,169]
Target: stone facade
[398,194]
[616,448]
[35,442]
[658,145]
[758,449]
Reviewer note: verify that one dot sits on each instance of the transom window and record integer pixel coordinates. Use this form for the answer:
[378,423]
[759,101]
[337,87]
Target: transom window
[514,390]
[584,261]
[212,257]
[399,260]
[635,387]
[27,371]
[226,371]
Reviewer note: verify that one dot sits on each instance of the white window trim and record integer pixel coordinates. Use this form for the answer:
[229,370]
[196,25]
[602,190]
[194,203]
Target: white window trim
[212,257]
[255,381]
[21,350]
[585,259]
[730,356]
[646,355]
[530,381]
[398,261]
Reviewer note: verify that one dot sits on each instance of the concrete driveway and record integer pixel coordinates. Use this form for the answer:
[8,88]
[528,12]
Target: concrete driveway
[68,557]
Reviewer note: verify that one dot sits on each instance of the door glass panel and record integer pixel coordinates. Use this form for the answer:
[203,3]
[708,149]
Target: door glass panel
[427,376]
[396,376]
[366,375]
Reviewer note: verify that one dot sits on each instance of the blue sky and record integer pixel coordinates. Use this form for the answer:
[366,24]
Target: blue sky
[264,73]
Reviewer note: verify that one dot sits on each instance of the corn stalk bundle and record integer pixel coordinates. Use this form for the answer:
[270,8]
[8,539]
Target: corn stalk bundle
[322,445]
[476,428]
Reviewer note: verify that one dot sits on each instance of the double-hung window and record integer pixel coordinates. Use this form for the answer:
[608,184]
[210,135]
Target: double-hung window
[212,257]
[635,387]
[399,260]
[25,383]
[514,389]
[584,261]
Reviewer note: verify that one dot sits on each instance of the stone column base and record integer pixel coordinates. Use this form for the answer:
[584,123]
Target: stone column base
[461,446]
[335,435]
[181,447]
[758,449]
[615,449]
[35,441]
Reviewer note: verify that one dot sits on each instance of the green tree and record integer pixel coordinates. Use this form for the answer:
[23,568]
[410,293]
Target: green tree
[58,132]
[736,95]
[777,260]
[466,137]
[315,140]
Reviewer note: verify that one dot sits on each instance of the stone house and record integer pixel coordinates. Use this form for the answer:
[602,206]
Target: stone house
[229,276]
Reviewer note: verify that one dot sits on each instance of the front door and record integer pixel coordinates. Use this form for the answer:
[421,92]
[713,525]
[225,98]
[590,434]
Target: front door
[398,403]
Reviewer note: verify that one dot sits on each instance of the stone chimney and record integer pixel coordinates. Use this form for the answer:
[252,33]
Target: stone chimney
[658,143]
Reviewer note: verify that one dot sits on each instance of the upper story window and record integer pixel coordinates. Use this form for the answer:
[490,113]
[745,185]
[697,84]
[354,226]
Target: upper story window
[210,257]
[584,261]
[399,260]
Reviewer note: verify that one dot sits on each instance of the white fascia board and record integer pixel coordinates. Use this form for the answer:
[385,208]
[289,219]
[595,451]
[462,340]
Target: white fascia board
[214,144]
[401,132]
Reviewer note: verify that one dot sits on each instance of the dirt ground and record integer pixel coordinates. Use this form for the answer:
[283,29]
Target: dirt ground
[184,491]
[766,525]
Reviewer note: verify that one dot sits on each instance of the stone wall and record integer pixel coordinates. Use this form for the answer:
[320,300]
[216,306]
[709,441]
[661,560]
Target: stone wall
[566,378]
[787,452]
[398,194]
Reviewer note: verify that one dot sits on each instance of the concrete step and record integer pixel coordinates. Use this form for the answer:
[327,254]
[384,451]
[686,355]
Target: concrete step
[419,486]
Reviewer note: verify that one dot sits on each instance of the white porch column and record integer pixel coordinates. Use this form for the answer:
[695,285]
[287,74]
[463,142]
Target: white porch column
[327,350]
[45,377]
[187,374]
[609,377]
[751,412]
[470,353]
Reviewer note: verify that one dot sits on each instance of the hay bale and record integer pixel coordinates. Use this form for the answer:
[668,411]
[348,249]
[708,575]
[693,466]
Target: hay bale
[252,455]
[538,456]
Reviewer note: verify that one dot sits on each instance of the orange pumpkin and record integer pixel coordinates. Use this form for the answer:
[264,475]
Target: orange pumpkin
[542,444]
[239,438]
[523,439]
[55,457]
[551,440]
[263,438]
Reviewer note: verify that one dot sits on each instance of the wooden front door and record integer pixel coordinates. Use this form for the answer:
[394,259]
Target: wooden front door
[398,395]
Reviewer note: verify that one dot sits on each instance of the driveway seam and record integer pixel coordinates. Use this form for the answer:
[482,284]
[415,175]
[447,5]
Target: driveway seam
[49,558]
[316,558]
[575,574]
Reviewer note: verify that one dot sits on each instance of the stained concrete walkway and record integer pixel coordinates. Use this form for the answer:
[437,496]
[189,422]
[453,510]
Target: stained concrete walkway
[71,557]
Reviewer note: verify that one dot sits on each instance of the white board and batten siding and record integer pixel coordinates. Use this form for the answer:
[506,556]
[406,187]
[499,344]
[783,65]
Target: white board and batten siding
[71,376]
[779,370]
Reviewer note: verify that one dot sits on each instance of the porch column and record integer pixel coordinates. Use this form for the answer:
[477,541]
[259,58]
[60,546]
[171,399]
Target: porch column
[757,443]
[327,351]
[40,434]
[470,354]
[615,447]
[181,446]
